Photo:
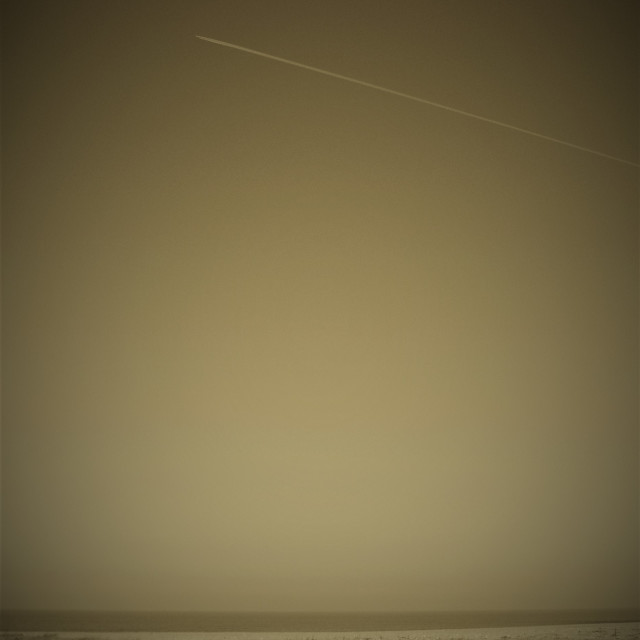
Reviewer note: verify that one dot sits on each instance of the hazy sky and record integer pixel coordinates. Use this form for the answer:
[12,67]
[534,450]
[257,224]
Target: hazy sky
[274,341]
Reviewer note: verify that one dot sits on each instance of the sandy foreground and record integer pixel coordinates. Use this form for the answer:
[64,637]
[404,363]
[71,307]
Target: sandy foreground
[620,631]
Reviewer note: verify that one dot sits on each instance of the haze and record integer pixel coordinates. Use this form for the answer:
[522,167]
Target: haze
[273,341]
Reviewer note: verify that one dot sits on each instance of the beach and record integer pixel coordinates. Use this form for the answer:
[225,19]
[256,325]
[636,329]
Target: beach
[620,631]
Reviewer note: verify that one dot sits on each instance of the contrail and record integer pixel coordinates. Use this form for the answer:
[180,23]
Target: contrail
[416,99]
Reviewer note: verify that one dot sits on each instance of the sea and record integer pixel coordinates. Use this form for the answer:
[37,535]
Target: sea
[260,622]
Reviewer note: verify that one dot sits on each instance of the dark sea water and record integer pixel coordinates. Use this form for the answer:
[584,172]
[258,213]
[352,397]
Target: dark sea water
[283,622]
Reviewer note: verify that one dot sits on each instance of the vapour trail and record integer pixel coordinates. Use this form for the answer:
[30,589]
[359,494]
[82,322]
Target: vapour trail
[416,99]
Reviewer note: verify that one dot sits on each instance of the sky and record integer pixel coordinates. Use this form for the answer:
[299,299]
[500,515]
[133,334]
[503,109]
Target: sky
[273,341]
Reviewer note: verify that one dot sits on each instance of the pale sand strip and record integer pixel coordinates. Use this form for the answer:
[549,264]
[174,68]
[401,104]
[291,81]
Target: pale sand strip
[619,631]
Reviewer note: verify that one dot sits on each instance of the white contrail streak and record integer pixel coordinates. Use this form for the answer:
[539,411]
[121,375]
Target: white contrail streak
[416,99]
